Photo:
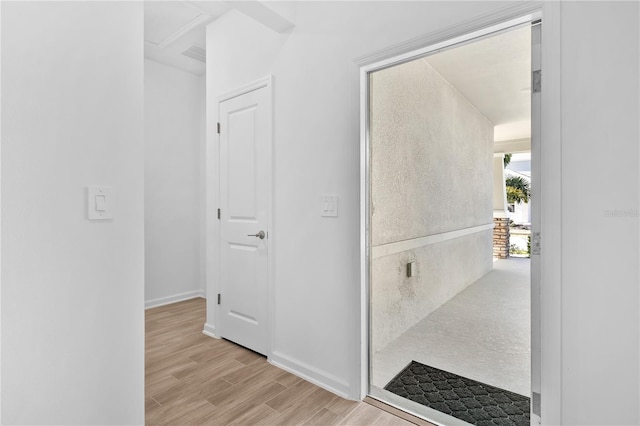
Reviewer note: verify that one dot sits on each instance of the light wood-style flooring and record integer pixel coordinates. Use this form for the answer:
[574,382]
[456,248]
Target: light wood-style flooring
[193,379]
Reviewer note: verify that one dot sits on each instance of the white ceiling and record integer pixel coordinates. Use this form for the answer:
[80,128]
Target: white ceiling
[494,75]
[173,27]
[174,31]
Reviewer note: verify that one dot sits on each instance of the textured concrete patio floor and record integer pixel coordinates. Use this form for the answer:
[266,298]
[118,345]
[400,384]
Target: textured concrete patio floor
[483,333]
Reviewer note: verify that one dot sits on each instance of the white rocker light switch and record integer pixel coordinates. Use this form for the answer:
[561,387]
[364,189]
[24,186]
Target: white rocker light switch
[100,202]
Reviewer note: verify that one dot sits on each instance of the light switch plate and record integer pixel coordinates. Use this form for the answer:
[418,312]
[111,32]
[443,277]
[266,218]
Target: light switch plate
[329,206]
[100,202]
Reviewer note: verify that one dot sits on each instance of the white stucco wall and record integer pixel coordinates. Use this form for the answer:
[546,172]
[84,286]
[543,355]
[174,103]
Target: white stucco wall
[431,156]
[431,172]
[174,152]
[441,271]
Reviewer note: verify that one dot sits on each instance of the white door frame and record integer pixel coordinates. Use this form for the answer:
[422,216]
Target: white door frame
[214,284]
[550,188]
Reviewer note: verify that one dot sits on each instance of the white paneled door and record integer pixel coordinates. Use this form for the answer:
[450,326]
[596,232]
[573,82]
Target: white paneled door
[245,191]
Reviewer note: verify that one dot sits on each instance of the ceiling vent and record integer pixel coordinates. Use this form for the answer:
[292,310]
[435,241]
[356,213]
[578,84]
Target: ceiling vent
[196,52]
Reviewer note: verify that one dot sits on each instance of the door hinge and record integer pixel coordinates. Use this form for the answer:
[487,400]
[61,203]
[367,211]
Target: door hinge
[218,128]
[535,243]
[218,298]
[536,403]
[536,81]
[218,213]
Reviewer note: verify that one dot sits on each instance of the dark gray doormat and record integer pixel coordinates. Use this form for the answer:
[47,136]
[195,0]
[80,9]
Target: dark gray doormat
[457,396]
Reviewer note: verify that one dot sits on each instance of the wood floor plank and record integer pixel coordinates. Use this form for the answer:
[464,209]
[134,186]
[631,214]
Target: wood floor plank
[186,412]
[159,383]
[219,351]
[342,407]
[287,379]
[363,414]
[323,417]
[247,357]
[247,372]
[211,368]
[150,403]
[232,409]
[259,415]
[308,408]
[193,388]
[193,379]
[168,365]
[293,396]
[258,388]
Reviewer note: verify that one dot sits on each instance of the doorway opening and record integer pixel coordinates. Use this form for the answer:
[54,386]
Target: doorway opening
[451,207]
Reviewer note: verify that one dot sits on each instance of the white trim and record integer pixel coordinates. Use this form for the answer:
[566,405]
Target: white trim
[415,243]
[272,234]
[167,300]
[551,216]
[250,87]
[536,209]
[364,234]
[212,200]
[551,222]
[512,146]
[498,20]
[210,331]
[196,22]
[311,374]
[265,82]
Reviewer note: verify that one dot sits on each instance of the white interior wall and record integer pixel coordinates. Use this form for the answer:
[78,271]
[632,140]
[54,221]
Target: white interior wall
[604,342]
[600,134]
[174,153]
[73,290]
[316,109]
[316,133]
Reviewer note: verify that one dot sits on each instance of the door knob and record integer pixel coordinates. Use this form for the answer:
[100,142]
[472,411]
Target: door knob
[260,235]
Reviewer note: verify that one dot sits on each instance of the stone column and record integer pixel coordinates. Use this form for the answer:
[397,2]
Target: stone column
[501,237]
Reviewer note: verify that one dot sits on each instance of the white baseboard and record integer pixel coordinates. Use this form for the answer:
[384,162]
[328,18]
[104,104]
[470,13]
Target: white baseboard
[210,331]
[311,374]
[161,301]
